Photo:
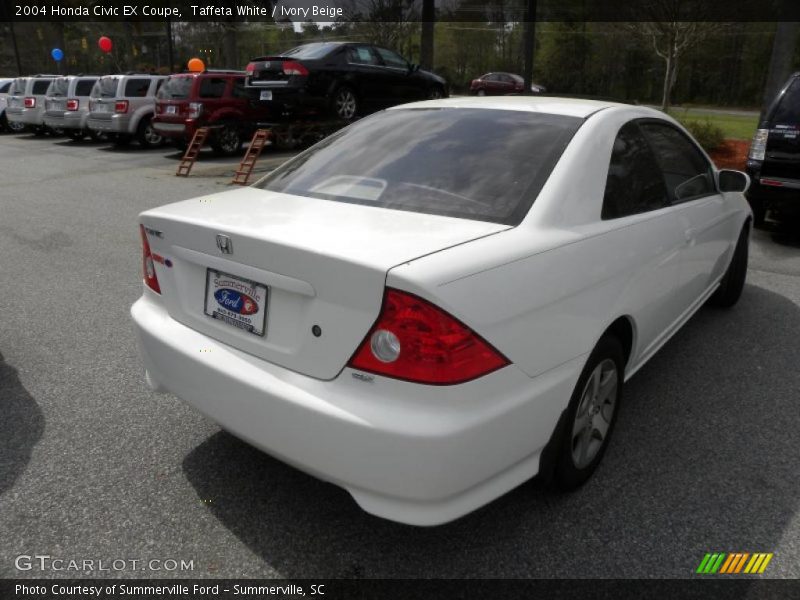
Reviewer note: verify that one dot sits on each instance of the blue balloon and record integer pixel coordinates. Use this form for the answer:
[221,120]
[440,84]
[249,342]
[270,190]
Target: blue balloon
[57,54]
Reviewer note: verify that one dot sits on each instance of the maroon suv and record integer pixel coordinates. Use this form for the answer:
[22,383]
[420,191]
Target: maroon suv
[212,98]
[500,84]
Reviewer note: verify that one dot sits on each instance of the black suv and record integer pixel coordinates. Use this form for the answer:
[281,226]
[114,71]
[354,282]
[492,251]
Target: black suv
[342,79]
[774,159]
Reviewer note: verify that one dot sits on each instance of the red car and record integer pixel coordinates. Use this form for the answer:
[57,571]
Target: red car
[499,84]
[219,99]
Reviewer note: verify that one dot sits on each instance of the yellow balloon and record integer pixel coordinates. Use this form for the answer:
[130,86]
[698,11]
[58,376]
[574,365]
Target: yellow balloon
[196,65]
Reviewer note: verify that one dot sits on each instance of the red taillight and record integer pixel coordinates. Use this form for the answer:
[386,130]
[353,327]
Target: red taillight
[292,67]
[417,341]
[772,182]
[72,104]
[251,68]
[121,106]
[30,102]
[148,268]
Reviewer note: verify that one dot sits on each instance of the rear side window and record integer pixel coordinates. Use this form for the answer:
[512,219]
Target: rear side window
[485,165]
[361,55]
[687,173]
[634,184]
[788,111]
[136,88]
[40,86]
[84,87]
[4,87]
[212,87]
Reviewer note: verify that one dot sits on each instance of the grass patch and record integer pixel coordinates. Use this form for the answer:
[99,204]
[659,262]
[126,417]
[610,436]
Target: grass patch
[734,127]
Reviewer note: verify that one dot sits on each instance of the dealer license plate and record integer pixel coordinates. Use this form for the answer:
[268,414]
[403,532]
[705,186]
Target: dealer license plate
[172,109]
[237,302]
[266,95]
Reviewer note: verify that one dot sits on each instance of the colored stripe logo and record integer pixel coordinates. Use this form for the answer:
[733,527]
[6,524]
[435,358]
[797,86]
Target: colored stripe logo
[734,562]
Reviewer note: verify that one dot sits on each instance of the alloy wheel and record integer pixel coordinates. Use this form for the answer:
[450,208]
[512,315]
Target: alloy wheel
[151,138]
[345,103]
[229,140]
[595,413]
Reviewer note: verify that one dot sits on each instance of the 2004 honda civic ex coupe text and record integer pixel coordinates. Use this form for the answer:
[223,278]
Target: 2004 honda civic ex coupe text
[444,299]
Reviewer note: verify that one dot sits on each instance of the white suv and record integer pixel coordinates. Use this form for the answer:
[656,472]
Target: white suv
[26,102]
[122,106]
[67,105]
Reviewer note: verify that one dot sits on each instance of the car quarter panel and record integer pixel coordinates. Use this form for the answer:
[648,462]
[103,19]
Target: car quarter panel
[559,279]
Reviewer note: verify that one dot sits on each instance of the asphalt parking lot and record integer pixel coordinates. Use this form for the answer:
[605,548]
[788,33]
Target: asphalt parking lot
[95,466]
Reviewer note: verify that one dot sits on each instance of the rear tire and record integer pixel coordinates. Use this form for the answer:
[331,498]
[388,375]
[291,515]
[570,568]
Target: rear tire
[228,141]
[591,415]
[732,284]
[16,127]
[480,93]
[147,136]
[344,103]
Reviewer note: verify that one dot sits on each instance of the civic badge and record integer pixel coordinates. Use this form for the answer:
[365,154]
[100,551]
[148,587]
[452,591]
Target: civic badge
[224,244]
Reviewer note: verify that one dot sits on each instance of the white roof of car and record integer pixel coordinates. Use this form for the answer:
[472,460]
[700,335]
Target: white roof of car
[573,107]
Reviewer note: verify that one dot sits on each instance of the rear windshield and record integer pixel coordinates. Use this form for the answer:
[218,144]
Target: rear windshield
[176,88]
[788,111]
[18,87]
[59,87]
[480,164]
[40,86]
[311,51]
[106,87]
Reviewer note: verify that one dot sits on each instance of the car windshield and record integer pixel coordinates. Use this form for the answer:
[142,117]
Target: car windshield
[480,164]
[59,87]
[175,88]
[106,87]
[311,51]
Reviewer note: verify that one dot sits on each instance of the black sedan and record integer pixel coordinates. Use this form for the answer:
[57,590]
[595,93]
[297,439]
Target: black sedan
[342,79]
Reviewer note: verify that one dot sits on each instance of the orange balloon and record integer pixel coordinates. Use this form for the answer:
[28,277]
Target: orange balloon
[196,65]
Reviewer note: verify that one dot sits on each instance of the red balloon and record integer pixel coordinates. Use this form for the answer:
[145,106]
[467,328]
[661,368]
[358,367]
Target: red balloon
[105,44]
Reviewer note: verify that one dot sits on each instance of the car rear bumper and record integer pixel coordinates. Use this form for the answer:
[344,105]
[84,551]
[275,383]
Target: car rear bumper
[65,120]
[26,116]
[778,194]
[115,124]
[416,454]
[183,130]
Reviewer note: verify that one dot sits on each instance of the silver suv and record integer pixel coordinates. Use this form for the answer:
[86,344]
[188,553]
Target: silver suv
[5,86]
[26,102]
[122,106]
[67,105]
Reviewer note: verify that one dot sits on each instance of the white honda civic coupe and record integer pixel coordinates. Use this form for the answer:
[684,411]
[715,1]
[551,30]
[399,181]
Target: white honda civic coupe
[444,299]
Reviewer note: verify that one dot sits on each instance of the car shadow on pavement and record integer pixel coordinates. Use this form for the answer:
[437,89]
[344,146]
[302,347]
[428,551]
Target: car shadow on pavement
[704,459]
[786,233]
[21,426]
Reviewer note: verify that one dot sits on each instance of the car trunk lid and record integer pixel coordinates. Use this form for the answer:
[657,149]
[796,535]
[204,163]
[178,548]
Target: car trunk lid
[324,263]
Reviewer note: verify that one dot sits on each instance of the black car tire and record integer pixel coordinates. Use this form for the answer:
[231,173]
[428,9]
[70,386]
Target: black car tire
[480,93]
[147,136]
[435,92]
[39,131]
[76,135]
[344,103]
[608,358]
[228,140]
[732,284]
[15,127]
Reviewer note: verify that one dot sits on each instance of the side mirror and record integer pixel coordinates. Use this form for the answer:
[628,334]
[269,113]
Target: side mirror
[729,180]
